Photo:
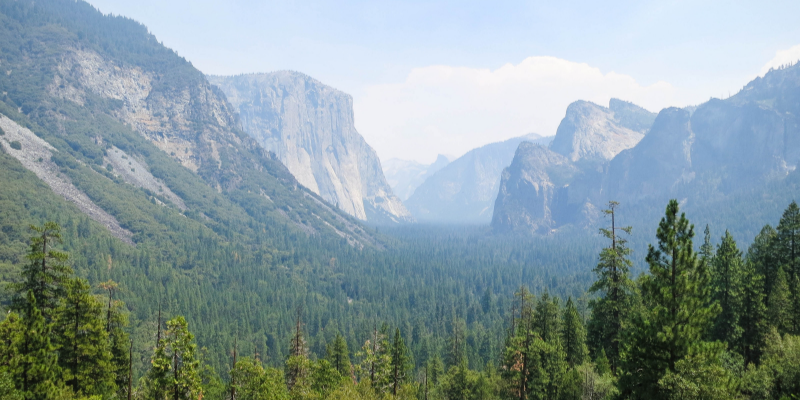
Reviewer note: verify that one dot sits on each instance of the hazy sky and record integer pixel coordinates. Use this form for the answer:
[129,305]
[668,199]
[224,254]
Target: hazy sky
[432,77]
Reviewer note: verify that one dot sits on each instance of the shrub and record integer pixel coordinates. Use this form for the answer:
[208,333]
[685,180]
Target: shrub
[16,145]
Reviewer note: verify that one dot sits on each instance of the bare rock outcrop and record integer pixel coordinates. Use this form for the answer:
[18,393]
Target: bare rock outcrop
[34,153]
[310,127]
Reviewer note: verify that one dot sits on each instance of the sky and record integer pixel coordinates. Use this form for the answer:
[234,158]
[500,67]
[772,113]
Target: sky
[431,77]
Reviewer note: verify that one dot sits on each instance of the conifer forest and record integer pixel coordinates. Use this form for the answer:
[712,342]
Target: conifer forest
[171,235]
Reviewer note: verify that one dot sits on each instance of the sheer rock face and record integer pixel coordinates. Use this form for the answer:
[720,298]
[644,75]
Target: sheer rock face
[715,158]
[545,188]
[595,134]
[532,190]
[310,127]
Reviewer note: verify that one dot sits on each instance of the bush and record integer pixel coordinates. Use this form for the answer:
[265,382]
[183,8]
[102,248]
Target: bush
[2,132]
[16,145]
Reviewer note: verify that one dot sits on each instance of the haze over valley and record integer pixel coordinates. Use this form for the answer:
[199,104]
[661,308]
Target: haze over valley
[429,201]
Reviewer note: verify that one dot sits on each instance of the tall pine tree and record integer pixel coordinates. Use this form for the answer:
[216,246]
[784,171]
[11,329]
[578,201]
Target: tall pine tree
[44,275]
[573,335]
[611,309]
[788,256]
[727,291]
[677,309]
[85,354]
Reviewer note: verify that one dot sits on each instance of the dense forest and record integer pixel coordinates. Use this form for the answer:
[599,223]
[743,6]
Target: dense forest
[705,322]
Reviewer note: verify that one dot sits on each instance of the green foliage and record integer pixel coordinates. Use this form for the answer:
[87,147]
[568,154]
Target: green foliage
[339,356]
[16,145]
[85,352]
[175,369]
[677,310]
[573,336]
[612,309]
[400,362]
[45,274]
[699,376]
[253,382]
[727,291]
[36,370]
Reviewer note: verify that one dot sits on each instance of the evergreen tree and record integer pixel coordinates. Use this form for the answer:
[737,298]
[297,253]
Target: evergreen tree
[611,310]
[297,367]
[457,343]
[552,364]
[753,319]
[85,354]
[401,362]
[339,356]
[376,360]
[174,374]
[520,361]
[727,291]
[788,256]
[573,336]
[45,273]
[325,378]
[762,255]
[37,367]
[677,309]
[119,343]
[780,303]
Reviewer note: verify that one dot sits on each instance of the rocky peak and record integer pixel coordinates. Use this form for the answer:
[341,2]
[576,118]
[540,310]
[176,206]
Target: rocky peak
[310,127]
[594,134]
[532,190]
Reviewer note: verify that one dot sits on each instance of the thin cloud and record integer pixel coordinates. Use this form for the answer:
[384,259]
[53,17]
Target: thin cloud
[782,57]
[446,109]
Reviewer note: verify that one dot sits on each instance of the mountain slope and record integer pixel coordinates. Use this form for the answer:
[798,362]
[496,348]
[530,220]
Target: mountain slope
[712,157]
[310,127]
[465,190]
[405,176]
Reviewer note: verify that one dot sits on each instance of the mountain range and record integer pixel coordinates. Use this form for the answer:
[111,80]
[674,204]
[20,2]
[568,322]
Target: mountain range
[717,158]
[464,191]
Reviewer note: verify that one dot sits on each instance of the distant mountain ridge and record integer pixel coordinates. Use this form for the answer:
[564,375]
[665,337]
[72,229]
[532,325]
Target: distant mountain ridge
[464,191]
[405,176]
[746,146]
[310,127]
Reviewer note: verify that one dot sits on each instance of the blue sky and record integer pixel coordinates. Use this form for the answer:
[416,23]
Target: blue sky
[446,76]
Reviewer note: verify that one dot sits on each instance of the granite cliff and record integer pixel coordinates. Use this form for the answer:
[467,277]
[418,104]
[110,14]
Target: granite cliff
[717,158]
[310,127]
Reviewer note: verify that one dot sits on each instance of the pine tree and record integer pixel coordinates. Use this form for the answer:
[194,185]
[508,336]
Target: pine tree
[44,275]
[519,359]
[610,311]
[780,304]
[119,343]
[85,354]
[376,360]
[401,362]
[297,367]
[457,343]
[174,373]
[339,356]
[753,319]
[762,255]
[727,291]
[573,336]
[552,359]
[37,366]
[788,256]
[677,309]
